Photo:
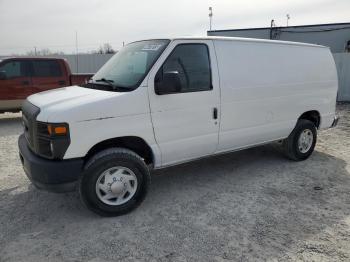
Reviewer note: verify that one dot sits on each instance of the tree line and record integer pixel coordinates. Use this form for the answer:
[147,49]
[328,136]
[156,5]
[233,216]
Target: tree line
[103,49]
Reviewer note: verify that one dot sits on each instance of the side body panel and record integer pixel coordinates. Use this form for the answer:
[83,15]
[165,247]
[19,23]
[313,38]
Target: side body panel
[183,123]
[265,87]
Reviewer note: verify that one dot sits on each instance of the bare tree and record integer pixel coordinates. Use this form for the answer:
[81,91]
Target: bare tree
[43,52]
[105,49]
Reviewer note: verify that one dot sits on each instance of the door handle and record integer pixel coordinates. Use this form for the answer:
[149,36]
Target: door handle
[61,82]
[215,113]
[25,83]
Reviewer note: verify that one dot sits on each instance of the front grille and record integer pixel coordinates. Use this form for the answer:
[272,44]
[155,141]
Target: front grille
[38,137]
[42,129]
[44,147]
[29,114]
[27,130]
[43,140]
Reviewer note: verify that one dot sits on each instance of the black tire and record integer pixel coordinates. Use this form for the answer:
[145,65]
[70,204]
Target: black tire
[97,165]
[290,144]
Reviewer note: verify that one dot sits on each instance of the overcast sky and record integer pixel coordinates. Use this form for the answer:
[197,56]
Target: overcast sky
[52,23]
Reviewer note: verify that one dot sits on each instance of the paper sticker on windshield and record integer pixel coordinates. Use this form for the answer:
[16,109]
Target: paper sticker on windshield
[150,47]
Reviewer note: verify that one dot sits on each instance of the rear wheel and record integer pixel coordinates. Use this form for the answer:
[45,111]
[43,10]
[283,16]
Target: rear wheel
[300,144]
[114,182]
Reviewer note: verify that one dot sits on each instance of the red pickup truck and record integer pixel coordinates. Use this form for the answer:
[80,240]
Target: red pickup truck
[21,77]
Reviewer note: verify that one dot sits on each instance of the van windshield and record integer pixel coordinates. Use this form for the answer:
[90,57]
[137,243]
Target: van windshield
[126,70]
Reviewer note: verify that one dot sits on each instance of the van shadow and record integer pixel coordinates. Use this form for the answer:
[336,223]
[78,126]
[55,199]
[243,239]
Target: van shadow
[275,205]
[248,204]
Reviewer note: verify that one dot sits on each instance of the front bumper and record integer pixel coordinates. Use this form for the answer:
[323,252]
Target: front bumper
[50,175]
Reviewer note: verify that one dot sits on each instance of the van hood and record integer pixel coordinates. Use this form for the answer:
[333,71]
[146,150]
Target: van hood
[75,103]
[61,95]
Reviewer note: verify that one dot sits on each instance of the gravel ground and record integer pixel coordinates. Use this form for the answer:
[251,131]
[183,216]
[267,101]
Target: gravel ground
[251,205]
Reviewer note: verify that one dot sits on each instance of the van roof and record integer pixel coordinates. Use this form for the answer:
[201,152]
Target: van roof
[242,39]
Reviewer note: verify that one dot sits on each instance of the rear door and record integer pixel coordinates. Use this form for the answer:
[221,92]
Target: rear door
[48,74]
[186,121]
[17,84]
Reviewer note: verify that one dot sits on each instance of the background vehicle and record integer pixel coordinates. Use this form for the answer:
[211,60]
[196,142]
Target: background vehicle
[22,77]
[164,102]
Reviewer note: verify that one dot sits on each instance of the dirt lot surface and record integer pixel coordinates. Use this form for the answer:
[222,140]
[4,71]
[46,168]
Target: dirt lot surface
[251,205]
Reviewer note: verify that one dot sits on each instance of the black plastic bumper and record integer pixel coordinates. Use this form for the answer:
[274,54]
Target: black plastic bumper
[50,175]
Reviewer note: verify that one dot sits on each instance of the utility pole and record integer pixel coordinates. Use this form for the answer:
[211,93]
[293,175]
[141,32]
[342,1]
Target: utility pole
[210,17]
[288,17]
[272,25]
[76,51]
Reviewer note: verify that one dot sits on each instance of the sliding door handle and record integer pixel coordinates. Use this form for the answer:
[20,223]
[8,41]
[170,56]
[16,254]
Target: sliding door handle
[215,113]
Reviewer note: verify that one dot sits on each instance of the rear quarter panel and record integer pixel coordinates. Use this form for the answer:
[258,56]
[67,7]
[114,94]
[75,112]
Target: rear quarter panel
[265,87]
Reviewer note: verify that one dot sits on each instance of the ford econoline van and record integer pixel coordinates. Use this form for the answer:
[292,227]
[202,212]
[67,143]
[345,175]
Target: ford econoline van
[163,102]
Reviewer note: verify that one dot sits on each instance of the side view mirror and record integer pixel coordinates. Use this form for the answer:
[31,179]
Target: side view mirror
[3,75]
[168,83]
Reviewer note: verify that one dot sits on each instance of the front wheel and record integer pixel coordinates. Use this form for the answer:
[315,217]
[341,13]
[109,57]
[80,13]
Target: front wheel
[114,182]
[300,144]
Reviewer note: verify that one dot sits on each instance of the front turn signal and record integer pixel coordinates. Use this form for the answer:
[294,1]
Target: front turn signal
[57,130]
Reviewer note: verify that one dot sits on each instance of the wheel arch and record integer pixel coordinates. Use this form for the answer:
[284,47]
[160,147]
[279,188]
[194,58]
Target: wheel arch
[133,143]
[313,115]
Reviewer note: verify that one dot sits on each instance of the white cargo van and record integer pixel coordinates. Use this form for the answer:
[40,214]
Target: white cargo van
[163,102]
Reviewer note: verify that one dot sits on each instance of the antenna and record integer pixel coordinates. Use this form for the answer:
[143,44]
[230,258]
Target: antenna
[288,17]
[210,16]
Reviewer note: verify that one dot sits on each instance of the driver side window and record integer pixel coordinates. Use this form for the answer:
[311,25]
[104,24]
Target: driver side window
[11,69]
[191,64]
[14,69]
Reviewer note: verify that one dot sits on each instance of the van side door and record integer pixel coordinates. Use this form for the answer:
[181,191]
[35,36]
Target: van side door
[184,101]
[48,74]
[15,83]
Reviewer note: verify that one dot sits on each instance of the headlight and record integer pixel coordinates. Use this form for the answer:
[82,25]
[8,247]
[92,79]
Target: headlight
[52,139]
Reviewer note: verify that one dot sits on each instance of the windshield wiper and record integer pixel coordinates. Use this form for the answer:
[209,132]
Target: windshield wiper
[110,82]
[107,81]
